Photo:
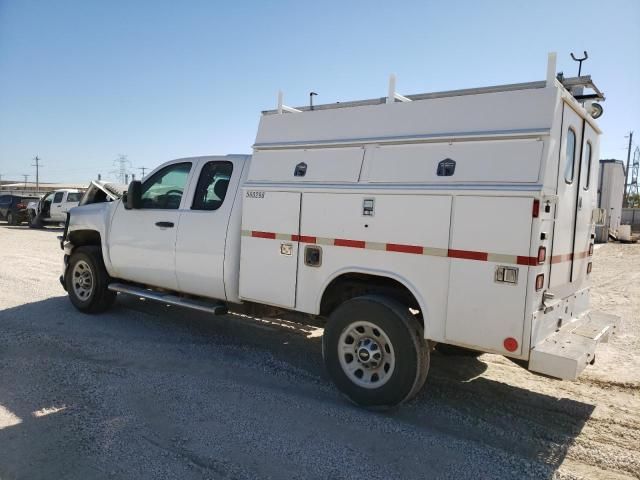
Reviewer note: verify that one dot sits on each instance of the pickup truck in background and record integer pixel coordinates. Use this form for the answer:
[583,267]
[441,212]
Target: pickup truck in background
[52,208]
[464,219]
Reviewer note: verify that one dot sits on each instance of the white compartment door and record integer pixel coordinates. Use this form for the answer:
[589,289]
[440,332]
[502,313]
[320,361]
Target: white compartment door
[269,247]
[564,231]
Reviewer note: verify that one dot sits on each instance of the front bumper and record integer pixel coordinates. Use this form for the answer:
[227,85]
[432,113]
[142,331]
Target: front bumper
[567,352]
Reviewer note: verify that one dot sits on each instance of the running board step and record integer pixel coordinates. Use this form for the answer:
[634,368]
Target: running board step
[216,308]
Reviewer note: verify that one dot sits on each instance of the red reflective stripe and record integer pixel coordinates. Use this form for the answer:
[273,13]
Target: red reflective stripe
[468,255]
[561,258]
[270,235]
[395,247]
[303,238]
[342,242]
[531,261]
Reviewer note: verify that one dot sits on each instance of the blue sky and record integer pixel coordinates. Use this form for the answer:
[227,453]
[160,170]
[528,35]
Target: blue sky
[83,81]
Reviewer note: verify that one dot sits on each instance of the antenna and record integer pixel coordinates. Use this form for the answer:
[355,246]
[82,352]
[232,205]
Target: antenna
[580,60]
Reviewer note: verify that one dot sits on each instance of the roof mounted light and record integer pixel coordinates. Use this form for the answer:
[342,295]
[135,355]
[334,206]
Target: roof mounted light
[595,110]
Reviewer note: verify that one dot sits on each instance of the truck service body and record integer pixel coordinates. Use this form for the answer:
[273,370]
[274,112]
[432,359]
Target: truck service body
[465,217]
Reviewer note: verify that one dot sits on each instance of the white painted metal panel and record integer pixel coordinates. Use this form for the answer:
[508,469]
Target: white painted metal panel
[492,224]
[481,312]
[419,220]
[562,254]
[587,197]
[337,165]
[142,252]
[501,111]
[513,161]
[267,274]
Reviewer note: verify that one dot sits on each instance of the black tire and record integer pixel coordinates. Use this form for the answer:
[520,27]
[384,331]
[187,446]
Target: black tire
[100,297]
[453,350]
[404,332]
[11,219]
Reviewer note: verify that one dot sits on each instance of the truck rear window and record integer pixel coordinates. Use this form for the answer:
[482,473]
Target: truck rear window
[570,156]
[73,197]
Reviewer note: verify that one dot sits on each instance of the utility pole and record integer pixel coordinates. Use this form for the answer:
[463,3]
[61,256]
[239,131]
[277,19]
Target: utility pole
[37,165]
[143,170]
[25,180]
[627,181]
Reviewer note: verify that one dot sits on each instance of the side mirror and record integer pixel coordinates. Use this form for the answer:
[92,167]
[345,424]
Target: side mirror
[133,198]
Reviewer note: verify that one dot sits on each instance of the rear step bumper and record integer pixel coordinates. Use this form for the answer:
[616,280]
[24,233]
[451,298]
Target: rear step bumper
[215,308]
[567,352]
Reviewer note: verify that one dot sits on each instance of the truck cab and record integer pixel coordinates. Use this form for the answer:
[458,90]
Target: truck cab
[185,234]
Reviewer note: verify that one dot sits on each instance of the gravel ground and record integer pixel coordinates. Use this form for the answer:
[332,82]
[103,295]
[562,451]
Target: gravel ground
[149,391]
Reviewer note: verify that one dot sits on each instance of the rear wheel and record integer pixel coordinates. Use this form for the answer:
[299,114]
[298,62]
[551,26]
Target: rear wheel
[87,281]
[375,351]
[11,219]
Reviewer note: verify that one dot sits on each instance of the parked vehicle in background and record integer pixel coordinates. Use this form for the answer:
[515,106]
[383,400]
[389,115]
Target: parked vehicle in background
[463,218]
[13,208]
[52,208]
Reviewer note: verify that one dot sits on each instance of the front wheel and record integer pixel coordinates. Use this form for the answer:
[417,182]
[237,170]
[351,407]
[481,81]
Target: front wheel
[375,351]
[87,281]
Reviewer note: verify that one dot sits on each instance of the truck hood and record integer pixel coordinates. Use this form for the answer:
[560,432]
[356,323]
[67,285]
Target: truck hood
[100,191]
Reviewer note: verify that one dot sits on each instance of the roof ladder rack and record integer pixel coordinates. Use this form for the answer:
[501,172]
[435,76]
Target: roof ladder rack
[284,108]
[393,95]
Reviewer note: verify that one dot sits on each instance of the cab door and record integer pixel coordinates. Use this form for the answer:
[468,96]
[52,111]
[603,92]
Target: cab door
[202,235]
[568,203]
[56,212]
[142,241]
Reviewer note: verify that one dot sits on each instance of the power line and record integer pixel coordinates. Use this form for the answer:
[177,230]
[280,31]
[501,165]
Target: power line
[26,176]
[143,170]
[37,165]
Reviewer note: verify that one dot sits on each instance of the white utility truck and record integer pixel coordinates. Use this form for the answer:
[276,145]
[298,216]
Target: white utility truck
[53,207]
[463,218]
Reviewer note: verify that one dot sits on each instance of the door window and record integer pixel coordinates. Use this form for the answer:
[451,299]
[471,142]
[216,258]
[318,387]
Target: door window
[73,197]
[57,198]
[164,189]
[212,186]
[586,166]
[570,154]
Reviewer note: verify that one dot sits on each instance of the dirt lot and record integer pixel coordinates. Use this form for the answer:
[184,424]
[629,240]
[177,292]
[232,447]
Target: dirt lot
[148,391]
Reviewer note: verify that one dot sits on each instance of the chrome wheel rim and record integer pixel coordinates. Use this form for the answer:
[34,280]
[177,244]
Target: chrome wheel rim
[82,280]
[366,354]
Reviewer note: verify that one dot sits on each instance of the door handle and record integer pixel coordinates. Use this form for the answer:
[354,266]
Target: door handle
[164,224]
